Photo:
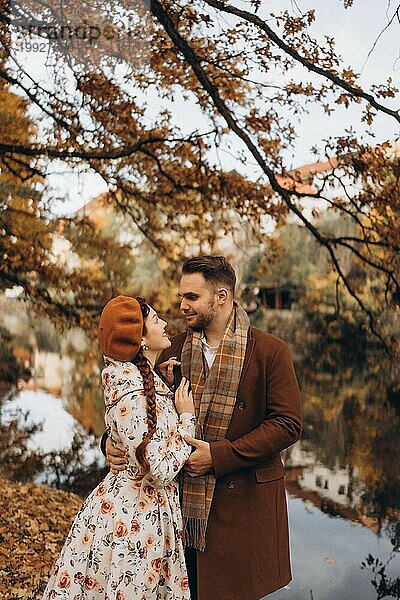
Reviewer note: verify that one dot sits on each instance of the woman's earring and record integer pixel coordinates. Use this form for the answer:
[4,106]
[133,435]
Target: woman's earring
[144,347]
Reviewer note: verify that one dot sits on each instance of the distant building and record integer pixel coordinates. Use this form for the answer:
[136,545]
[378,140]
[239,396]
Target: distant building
[280,298]
[278,289]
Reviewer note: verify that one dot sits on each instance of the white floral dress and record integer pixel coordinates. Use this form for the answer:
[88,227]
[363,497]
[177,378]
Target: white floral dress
[126,542]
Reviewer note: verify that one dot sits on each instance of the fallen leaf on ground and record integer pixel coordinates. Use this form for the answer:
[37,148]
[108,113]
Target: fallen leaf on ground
[34,522]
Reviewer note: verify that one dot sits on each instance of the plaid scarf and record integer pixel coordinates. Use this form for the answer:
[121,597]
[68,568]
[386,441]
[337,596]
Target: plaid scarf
[214,394]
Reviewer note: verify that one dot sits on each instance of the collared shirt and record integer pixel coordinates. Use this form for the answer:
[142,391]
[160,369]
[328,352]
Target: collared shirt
[209,352]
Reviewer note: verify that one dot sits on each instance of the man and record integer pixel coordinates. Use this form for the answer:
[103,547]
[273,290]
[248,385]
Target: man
[248,407]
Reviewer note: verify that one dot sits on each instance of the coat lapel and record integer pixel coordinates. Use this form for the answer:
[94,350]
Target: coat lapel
[247,357]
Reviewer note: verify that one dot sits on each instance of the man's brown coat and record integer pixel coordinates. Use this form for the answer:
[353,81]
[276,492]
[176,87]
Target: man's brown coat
[247,541]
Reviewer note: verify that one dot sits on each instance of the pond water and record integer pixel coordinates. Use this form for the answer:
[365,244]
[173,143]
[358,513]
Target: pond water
[343,485]
[328,554]
[56,427]
[343,478]
[41,441]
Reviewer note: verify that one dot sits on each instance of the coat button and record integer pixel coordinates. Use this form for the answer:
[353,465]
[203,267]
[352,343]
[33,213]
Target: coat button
[230,485]
[241,406]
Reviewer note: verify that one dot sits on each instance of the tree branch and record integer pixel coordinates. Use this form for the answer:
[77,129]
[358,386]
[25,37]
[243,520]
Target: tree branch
[37,291]
[34,99]
[354,91]
[112,154]
[195,62]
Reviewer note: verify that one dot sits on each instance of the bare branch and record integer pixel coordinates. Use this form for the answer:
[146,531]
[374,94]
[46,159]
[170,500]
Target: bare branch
[114,154]
[34,99]
[395,14]
[365,241]
[336,79]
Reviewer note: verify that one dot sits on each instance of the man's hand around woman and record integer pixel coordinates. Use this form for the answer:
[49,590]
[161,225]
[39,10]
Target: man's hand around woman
[118,459]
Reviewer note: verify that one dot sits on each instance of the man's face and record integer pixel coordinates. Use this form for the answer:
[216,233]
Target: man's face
[198,300]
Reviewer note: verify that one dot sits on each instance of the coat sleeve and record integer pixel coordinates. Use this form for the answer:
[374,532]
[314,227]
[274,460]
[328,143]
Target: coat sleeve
[167,451]
[280,429]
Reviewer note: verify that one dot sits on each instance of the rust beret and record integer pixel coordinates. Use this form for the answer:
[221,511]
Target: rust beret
[121,328]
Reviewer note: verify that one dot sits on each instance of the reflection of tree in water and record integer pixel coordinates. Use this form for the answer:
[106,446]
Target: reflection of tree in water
[394,400]
[12,368]
[371,441]
[351,422]
[67,469]
[385,585]
[16,461]
[83,390]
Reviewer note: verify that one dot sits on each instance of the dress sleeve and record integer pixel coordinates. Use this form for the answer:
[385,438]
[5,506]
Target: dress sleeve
[167,451]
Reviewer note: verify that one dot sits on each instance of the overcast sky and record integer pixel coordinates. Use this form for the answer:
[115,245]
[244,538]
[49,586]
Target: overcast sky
[356,31]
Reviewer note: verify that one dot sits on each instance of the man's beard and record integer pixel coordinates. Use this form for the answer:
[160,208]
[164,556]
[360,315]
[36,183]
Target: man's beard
[203,319]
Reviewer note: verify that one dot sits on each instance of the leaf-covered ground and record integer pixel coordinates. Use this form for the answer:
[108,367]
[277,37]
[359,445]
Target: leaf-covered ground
[34,522]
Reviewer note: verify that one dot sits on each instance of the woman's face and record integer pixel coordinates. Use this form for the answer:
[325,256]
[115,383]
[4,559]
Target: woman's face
[155,337]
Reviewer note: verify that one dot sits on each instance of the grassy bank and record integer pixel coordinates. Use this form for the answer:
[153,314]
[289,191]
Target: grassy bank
[34,522]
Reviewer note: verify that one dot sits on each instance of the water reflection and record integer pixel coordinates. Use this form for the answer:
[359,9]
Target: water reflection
[328,553]
[346,456]
[40,441]
[344,488]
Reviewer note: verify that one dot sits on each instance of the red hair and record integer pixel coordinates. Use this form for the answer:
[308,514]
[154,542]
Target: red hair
[148,385]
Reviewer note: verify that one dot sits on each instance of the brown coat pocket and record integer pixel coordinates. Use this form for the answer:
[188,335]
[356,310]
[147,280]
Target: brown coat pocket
[269,472]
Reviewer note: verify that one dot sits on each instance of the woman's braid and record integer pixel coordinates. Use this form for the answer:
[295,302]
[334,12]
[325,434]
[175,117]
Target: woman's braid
[148,385]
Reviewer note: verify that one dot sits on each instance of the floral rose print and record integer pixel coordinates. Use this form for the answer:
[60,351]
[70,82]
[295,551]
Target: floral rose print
[106,506]
[135,526]
[101,489]
[123,410]
[156,564]
[161,500]
[79,577]
[167,570]
[149,541]
[86,539]
[64,580]
[91,583]
[142,504]
[151,579]
[126,522]
[120,529]
[184,584]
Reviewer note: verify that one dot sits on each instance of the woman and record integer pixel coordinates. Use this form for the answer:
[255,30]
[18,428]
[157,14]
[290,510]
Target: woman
[125,543]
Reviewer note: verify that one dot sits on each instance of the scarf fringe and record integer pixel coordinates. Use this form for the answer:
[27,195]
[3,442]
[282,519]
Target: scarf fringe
[194,535]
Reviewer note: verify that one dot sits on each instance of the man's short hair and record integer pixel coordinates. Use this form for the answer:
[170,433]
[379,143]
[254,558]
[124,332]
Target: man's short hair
[215,270]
